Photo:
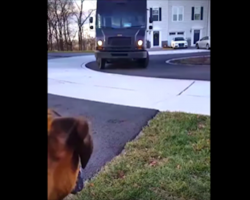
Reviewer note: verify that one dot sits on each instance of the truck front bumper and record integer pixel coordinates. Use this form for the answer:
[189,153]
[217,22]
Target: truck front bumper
[121,55]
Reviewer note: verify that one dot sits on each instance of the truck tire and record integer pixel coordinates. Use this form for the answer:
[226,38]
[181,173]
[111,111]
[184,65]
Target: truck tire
[101,62]
[143,63]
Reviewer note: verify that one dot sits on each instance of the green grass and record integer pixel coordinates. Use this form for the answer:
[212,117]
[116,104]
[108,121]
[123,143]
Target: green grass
[194,61]
[85,51]
[170,160]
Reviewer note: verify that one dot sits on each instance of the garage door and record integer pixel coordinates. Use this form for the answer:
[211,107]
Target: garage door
[171,35]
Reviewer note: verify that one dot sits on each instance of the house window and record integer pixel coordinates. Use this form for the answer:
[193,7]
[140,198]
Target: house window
[197,13]
[155,14]
[171,33]
[180,33]
[177,13]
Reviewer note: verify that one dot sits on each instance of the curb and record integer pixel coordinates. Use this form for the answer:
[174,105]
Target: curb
[187,51]
[173,59]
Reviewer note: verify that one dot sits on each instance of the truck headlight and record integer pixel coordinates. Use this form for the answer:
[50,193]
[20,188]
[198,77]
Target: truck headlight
[99,43]
[140,42]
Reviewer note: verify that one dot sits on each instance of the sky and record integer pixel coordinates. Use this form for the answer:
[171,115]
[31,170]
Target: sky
[87,5]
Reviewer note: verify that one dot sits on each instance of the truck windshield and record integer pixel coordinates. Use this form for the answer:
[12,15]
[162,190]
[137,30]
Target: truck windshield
[121,15]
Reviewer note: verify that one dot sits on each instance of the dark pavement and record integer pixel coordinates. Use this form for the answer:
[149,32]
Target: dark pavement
[158,68]
[112,126]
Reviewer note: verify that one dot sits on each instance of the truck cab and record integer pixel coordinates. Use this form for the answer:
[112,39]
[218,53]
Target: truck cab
[121,27]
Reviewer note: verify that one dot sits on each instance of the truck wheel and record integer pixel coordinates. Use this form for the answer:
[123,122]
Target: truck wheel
[143,62]
[101,62]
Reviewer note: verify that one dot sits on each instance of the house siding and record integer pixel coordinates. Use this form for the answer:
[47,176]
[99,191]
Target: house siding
[187,25]
[161,26]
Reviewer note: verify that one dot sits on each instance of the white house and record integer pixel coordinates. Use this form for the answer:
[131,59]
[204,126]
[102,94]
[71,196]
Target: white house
[188,18]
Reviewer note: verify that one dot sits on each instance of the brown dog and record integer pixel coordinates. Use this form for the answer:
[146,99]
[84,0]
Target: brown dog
[69,141]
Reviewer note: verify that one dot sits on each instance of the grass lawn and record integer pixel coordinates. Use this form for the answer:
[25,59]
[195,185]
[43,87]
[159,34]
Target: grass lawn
[194,61]
[170,160]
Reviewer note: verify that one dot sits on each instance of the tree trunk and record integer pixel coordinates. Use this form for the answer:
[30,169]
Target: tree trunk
[69,39]
[65,34]
[56,35]
[60,38]
[80,39]
[50,42]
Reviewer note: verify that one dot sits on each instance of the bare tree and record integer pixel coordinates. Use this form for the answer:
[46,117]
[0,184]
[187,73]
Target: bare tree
[59,13]
[61,17]
[50,24]
[81,18]
[53,20]
[66,14]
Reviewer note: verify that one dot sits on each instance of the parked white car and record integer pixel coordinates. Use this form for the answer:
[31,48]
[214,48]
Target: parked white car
[179,42]
[203,43]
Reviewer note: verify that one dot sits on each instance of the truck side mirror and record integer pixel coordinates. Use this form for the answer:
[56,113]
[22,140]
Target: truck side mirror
[91,20]
[150,20]
[150,27]
[91,27]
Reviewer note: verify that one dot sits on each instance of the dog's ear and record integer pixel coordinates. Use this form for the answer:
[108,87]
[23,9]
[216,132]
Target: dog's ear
[85,146]
[59,130]
[71,133]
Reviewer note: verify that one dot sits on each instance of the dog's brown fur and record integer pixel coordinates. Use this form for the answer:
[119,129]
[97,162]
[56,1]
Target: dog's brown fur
[68,140]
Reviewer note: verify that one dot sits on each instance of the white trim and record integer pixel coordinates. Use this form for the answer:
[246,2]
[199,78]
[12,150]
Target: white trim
[208,18]
[172,18]
[167,19]
[192,35]
[197,27]
[152,39]
[176,33]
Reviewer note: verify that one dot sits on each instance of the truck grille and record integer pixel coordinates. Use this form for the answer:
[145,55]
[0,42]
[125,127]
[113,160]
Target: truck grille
[119,41]
[118,48]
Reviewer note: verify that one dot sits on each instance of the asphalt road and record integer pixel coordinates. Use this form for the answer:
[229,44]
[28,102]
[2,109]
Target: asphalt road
[112,125]
[159,68]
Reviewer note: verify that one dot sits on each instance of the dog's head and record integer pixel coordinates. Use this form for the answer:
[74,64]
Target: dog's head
[69,140]
[69,136]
